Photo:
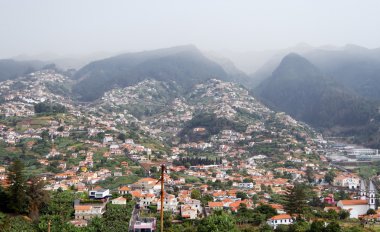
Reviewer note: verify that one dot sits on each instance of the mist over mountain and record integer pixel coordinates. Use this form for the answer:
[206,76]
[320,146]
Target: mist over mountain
[11,69]
[355,67]
[73,61]
[302,90]
[331,88]
[185,65]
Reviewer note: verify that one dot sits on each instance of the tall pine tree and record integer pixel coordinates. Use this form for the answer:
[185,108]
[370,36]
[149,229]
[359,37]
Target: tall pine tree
[17,194]
[295,200]
[36,196]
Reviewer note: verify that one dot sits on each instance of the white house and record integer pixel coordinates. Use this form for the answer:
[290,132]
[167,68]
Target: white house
[170,203]
[124,190]
[99,193]
[146,200]
[246,185]
[347,180]
[89,211]
[188,211]
[119,201]
[282,219]
[107,138]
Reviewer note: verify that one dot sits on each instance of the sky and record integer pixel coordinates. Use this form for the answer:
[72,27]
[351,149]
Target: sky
[87,26]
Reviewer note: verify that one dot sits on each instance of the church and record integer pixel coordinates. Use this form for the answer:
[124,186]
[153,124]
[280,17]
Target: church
[365,202]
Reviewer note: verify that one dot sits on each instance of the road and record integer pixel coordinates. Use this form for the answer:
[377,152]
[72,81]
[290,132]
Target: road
[134,218]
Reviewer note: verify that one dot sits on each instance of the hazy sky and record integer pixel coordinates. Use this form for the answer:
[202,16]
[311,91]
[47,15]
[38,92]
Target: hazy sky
[78,27]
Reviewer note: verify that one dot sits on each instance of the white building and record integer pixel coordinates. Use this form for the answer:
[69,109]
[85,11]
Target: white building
[170,203]
[188,211]
[246,185]
[89,211]
[99,193]
[361,206]
[282,219]
[119,201]
[146,200]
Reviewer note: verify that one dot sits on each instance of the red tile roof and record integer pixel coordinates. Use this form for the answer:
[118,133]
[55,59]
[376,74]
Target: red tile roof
[354,202]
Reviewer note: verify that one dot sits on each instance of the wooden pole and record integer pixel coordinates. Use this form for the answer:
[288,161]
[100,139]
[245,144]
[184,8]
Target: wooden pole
[49,225]
[162,196]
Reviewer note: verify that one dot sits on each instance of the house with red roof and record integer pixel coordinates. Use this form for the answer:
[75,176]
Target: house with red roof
[281,219]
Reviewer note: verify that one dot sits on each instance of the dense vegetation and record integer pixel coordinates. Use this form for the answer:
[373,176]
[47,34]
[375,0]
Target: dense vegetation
[299,88]
[211,123]
[11,69]
[49,108]
[184,65]
[355,67]
[303,91]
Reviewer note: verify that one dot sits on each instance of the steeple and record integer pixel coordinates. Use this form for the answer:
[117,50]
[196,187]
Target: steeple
[371,195]
[363,190]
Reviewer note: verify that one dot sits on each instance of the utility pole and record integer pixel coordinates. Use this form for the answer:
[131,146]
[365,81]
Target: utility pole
[162,196]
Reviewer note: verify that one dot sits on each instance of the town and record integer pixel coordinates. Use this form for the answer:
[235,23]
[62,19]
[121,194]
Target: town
[225,155]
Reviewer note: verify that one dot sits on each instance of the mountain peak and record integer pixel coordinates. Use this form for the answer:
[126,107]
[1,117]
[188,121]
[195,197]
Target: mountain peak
[185,65]
[189,48]
[291,57]
[294,66]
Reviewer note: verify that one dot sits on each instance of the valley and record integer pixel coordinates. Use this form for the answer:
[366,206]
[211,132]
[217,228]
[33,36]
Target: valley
[100,138]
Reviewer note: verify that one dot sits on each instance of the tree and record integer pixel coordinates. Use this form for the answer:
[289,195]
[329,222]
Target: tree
[17,193]
[57,224]
[332,214]
[341,195]
[219,221]
[344,214]
[329,177]
[282,228]
[45,135]
[299,226]
[117,217]
[128,196]
[242,195]
[187,165]
[18,223]
[255,199]
[317,226]
[266,210]
[295,199]
[310,174]
[36,196]
[265,228]
[153,169]
[49,108]
[61,205]
[121,137]
[371,212]
[196,194]
[244,215]
[206,198]
[4,200]
[248,180]
[332,227]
